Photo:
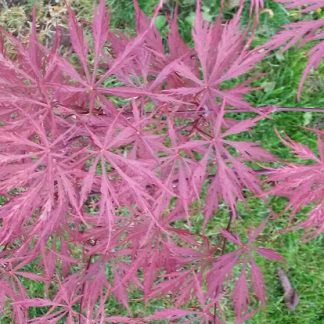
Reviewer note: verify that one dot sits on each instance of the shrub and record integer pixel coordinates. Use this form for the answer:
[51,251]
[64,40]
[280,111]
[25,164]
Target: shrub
[108,148]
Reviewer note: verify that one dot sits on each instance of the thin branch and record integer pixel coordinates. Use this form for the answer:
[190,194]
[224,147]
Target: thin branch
[297,109]
[228,227]
[273,109]
[83,287]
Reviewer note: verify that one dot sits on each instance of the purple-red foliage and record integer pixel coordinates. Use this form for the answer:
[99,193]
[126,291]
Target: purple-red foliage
[303,184]
[100,159]
[301,33]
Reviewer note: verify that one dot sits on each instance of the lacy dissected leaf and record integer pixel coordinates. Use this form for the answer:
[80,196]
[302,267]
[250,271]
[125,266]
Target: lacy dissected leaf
[46,177]
[306,5]
[222,55]
[223,267]
[304,32]
[231,174]
[302,184]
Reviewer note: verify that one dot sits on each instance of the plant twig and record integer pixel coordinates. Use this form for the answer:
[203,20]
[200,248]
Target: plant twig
[83,288]
[273,109]
[223,246]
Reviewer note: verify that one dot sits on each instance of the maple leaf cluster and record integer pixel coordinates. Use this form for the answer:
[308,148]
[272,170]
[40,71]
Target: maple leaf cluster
[106,148]
[301,33]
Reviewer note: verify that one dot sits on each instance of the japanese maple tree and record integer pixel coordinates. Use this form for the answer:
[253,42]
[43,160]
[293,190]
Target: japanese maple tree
[107,148]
